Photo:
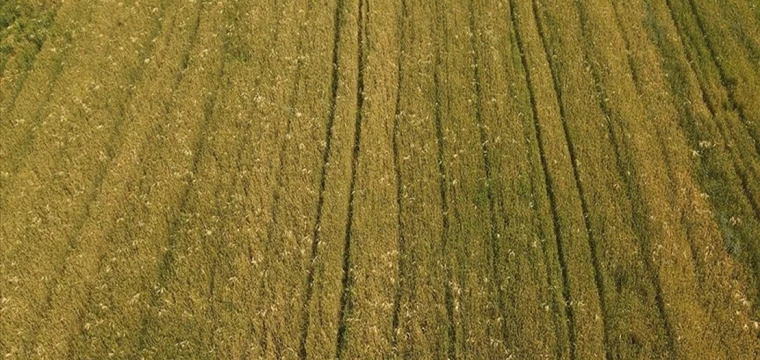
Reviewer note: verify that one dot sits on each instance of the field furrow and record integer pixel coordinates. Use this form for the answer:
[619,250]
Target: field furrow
[25,33]
[737,141]
[315,179]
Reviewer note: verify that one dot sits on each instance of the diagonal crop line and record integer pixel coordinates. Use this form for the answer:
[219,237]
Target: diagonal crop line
[730,90]
[346,299]
[552,197]
[445,222]
[401,245]
[25,75]
[494,233]
[633,191]
[537,178]
[737,159]
[24,145]
[285,140]
[442,185]
[95,189]
[166,267]
[157,132]
[711,107]
[302,353]
[567,296]
[166,264]
[733,107]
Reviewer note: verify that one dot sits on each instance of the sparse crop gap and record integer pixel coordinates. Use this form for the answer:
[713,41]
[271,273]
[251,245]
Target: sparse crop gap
[304,317]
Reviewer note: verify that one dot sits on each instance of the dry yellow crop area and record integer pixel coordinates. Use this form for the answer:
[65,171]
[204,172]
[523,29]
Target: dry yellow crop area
[380,179]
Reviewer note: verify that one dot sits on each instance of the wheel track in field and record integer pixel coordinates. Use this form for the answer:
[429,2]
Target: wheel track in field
[304,316]
[578,184]
[282,154]
[567,296]
[166,263]
[24,145]
[443,184]
[737,162]
[547,175]
[25,75]
[734,106]
[633,191]
[399,195]
[535,178]
[158,132]
[485,152]
[401,241]
[737,159]
[346,304]
[113,147]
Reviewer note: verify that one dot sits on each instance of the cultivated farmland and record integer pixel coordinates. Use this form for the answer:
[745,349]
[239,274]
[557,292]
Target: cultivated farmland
[374,179]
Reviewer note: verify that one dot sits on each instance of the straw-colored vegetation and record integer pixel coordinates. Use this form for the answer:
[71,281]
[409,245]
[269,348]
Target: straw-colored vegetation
[368,179]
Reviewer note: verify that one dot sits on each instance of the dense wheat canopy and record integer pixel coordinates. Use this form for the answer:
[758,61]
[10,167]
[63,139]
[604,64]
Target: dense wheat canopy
[375,179]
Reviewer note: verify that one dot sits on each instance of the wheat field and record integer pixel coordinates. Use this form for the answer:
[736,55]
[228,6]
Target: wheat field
[380,179]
